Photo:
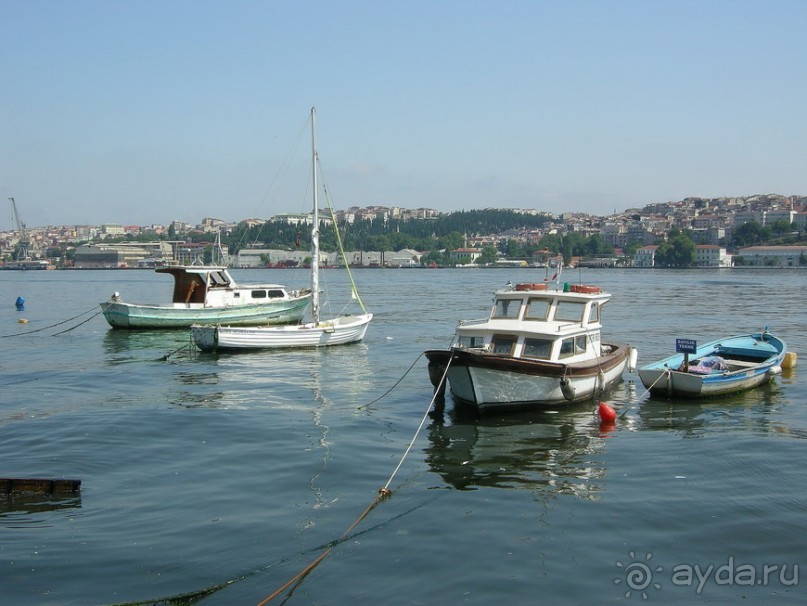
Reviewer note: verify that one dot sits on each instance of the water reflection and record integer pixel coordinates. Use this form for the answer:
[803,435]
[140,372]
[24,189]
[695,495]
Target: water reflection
[121,346]
[280,378]
[754,410]
[545,452]
[17,508]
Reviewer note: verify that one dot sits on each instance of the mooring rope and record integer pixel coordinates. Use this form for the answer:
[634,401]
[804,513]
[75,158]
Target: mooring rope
[30,332]
[382,494]
[647,391]
[61,332]
[394,385]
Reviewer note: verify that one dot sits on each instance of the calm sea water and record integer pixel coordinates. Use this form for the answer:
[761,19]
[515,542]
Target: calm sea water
[221,477]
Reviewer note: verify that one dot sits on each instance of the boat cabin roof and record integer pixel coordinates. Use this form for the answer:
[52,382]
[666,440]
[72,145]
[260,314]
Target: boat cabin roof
[541,308]
[539,321]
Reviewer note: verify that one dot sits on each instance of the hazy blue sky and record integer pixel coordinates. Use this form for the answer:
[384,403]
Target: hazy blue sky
[146,111]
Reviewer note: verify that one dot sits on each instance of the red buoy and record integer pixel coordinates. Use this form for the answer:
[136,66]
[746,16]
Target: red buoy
[607,414]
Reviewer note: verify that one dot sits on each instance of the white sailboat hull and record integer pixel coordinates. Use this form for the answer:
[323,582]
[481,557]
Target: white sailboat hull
[338,331]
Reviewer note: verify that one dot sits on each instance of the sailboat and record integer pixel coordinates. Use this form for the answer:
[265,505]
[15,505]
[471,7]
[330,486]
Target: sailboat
[319,332]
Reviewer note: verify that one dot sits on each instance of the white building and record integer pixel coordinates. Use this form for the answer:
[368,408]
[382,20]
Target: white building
[464,255]
[710,255]
[645,256]
[706,255]
[774,256]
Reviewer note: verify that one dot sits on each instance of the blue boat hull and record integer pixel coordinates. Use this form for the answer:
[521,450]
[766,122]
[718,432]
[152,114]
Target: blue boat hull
[739,363]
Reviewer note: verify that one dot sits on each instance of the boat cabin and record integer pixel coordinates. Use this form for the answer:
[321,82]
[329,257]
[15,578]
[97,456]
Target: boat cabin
[534,321]
[215,286]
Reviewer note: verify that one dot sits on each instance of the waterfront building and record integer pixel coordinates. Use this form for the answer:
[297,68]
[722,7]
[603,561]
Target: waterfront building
[773,256]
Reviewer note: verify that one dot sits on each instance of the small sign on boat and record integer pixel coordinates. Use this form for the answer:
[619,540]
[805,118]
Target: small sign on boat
[686,346]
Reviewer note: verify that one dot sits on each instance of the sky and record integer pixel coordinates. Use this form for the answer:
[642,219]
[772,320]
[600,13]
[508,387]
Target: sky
[141,112]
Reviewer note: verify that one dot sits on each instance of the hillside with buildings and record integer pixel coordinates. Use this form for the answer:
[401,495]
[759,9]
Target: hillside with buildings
[712,232]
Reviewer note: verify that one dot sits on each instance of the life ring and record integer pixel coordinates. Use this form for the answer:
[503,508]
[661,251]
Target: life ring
[583,288]
[530,286]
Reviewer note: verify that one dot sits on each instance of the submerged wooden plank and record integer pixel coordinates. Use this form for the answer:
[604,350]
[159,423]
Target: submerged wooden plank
[39,485]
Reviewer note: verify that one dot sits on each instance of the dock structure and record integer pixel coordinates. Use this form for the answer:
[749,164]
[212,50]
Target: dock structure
[38,485]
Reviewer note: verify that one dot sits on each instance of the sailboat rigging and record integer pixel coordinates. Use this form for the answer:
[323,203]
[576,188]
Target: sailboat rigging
[339,330]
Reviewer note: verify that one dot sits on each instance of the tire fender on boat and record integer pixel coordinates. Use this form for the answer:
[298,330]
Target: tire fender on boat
[567,389]
[601,381]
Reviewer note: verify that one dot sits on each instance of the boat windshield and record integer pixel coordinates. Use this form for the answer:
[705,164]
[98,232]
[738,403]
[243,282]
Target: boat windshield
[503,344]
[507,308]
[537,348]
[470,341]
[570,311]
[537,309]
[573,346]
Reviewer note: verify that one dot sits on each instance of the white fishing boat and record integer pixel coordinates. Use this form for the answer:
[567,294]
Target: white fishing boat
[540,347]
[209,294]
[318,332]
[717,368]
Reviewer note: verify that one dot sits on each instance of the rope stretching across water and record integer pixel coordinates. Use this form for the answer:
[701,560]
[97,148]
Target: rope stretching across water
[30,332]
[647,391]
[382,494]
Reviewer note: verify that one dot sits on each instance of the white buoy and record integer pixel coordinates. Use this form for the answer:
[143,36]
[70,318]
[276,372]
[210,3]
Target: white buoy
[633,357]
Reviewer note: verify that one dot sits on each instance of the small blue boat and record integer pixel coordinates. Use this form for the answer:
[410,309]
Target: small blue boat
[718,368]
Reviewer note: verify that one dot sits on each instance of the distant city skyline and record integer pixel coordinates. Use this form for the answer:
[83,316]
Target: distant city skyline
[132,113]
[798,202]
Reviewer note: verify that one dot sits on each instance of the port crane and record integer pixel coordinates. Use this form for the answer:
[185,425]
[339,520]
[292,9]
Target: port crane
[22,250]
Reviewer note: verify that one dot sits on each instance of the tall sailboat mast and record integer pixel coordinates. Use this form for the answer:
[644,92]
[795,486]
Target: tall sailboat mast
[315,229]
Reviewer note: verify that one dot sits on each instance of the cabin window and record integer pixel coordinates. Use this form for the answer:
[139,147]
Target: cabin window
[275,294]
[507,308]
[468,341]
[258,294]
[537,348]
[537,310]
[503,344]
[573,346]
[570,311]
[594,314]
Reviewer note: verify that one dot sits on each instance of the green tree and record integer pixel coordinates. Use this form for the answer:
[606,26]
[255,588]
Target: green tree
[677,251]
[488,256]
[749,234]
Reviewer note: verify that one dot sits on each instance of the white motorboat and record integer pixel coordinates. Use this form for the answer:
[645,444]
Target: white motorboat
[209,294]
[540,347]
